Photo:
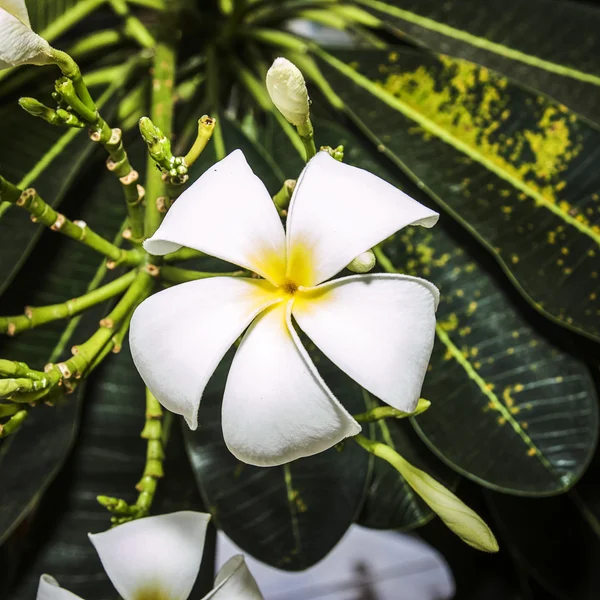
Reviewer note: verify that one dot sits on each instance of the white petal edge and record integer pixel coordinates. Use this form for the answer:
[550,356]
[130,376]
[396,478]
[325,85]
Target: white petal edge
[235,582]
[18,8]
[338,212]
[379,329]
[49,589]
[156,556]
[19,45]
[179,335]
[276,406]
[227,213]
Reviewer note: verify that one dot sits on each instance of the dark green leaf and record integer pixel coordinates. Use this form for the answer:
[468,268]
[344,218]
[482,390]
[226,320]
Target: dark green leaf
[509,409]
[514,168]
[108,459]
[552,46]
[552,543]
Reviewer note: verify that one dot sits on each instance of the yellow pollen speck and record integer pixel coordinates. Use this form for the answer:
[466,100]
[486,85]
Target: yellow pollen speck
[510,351]
[531,452]
[501,420]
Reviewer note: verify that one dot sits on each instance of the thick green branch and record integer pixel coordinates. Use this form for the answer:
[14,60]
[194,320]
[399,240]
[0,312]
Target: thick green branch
[38,315]
[156,432]
[183,254]
[178,275]
[162,116]
[43,213]
[86,354]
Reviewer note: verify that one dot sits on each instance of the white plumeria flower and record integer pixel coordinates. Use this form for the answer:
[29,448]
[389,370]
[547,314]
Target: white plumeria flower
[377,328]
[20,45]
[158,558]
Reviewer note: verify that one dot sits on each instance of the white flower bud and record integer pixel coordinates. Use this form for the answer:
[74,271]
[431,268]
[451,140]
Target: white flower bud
[363,263]
[18,43]
[287,88]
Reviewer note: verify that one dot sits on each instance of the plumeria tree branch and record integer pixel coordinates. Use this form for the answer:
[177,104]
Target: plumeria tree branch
[35,316]
[156,432]
[162,118]
[174,275]
[182,255]
[43,213]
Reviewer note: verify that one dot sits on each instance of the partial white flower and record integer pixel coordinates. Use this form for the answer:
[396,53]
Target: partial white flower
[287,88]
[378,328]
[159,557]
[18,43]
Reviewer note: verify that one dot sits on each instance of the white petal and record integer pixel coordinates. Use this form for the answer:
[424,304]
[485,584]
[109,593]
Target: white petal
[227,213]
[235,582]
[337,212]
[19,44]
[379,329]
[155,557]
[179,336]
[276,407]
[49,589]
[18,8]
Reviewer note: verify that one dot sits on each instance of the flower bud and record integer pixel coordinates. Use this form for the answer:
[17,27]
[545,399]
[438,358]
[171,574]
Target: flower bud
[363,263]
[18,43]
[287,88]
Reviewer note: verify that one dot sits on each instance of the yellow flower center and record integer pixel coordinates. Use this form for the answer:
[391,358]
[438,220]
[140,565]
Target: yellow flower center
[289,287]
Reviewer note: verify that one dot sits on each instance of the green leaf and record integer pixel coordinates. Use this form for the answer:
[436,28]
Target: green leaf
[390,502]
[512,167]
[515,38]
[291,516]
[58,269]
[107,459]
[508,409]
[63,155]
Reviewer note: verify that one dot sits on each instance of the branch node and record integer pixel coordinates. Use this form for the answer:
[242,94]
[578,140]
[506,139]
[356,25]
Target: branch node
[108,323]
[130,178]
[116,136]
[60,221]
[152,270]
[11,329]
[64,370]
[127,234]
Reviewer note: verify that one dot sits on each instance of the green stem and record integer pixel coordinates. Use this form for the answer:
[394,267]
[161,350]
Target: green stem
[38,315]
[178,275]
[134,28]
[307,135]
[13,424]
[77,230]
[162,116]
[155,432]
[85,354]
[183,254]
[118,163]
[206,126]
[284,195]
[387,412]
[385,263]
